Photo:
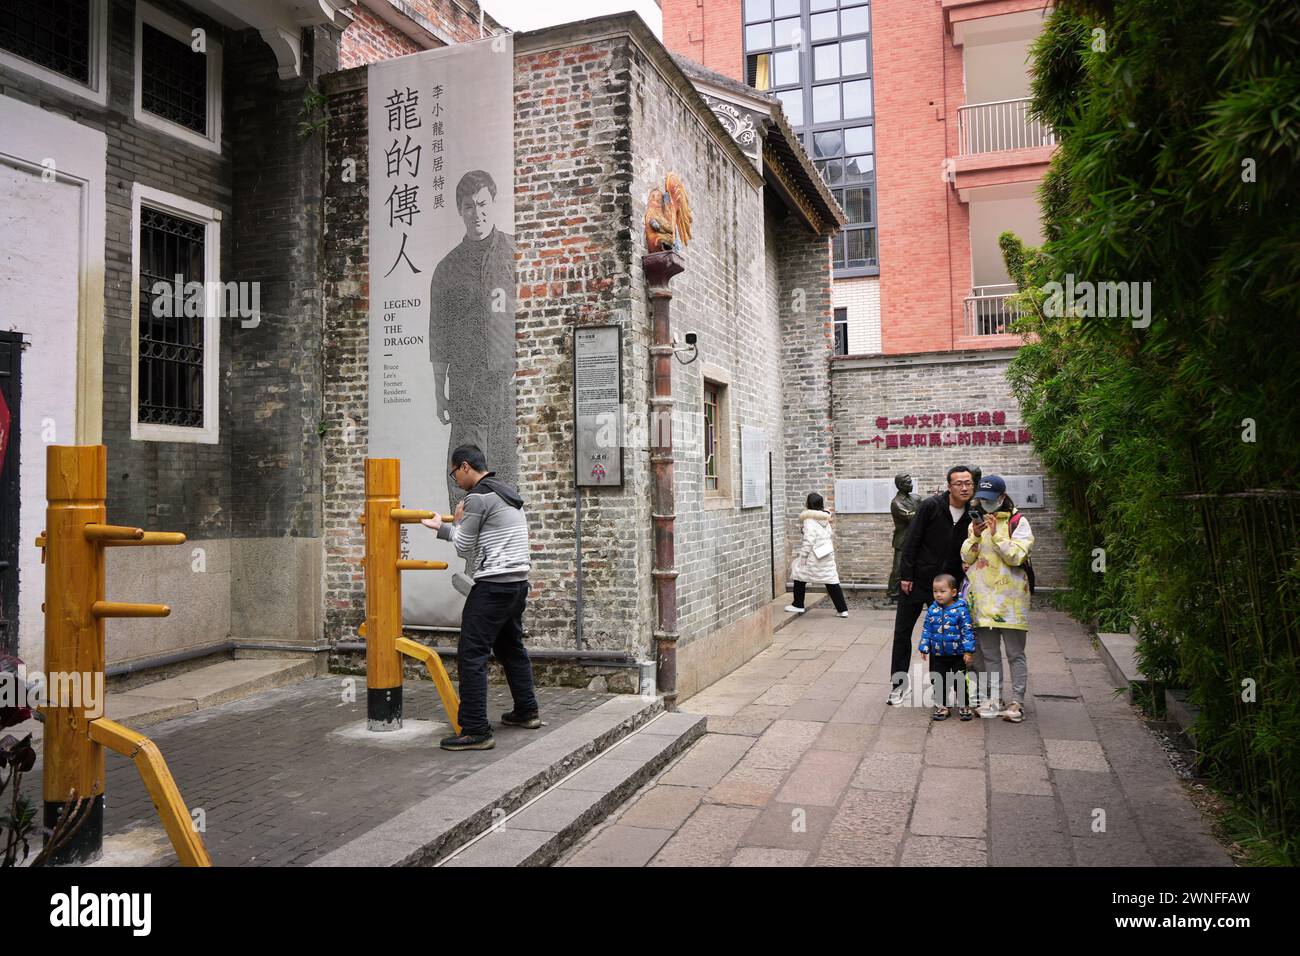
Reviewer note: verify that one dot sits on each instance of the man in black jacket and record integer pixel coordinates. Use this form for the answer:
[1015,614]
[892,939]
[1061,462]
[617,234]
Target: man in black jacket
[933,546]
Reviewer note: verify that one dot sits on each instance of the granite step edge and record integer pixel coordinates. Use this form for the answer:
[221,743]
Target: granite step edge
[434,828]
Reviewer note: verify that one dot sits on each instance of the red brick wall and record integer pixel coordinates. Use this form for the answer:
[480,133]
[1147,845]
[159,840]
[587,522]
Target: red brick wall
[924,227]
[370,39]
[707,31]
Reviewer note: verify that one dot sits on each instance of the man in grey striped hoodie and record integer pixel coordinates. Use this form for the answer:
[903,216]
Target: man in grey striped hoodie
[491,531]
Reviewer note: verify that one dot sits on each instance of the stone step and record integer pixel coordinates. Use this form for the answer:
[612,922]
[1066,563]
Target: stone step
[1119,654]
[540,831]
[441,825]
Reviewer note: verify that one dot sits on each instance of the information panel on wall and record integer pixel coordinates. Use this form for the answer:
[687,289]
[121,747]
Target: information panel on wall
[864,495]
[1026,490]
[442,284]
[598,398]
[753,467]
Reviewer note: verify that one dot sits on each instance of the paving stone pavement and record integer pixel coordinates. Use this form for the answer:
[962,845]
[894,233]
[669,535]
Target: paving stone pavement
[804,764]
[287,775]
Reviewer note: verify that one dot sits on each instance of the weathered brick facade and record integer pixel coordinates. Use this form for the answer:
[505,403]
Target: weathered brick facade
[250,502]
[893,387]
[598,123]
[806,318]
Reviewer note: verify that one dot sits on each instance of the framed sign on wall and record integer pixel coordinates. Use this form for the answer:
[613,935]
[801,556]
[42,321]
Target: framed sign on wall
[598,408]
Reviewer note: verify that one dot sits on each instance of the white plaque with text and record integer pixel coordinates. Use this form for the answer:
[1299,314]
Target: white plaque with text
[864,495]
[753,467]
[598,395]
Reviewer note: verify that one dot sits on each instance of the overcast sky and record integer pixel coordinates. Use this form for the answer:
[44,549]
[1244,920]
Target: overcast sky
[522,15]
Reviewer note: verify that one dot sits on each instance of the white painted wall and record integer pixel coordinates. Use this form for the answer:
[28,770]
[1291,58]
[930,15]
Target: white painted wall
[989,218]
[51,286]
[996,71]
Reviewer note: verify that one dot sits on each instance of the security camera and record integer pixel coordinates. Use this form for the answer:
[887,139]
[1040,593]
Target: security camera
[691,347]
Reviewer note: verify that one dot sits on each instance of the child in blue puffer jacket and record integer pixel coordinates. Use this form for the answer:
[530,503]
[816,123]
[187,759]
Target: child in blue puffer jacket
[949,640]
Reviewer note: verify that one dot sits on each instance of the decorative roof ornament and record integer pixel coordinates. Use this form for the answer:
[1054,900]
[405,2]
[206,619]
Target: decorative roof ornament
[668,217]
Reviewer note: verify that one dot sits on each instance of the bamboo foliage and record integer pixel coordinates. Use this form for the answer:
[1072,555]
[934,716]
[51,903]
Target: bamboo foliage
[1175,443]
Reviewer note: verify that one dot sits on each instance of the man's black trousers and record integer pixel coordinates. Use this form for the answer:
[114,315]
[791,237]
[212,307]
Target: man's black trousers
[493,623]
[909,609]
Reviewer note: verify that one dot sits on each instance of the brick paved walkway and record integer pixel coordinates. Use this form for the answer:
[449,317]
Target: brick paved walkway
[287,775]
[805,764]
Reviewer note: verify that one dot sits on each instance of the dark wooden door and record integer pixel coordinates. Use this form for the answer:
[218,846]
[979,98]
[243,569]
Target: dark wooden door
[11,354]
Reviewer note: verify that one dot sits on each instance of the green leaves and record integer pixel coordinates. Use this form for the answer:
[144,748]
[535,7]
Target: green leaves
[1179,144]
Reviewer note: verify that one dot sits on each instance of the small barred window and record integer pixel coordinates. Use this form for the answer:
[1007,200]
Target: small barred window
[174,80]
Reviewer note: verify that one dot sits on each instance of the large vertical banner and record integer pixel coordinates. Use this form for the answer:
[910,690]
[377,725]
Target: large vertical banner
[442,284]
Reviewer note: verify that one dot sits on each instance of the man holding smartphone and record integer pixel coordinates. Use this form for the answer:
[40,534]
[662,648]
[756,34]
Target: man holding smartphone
[933,547]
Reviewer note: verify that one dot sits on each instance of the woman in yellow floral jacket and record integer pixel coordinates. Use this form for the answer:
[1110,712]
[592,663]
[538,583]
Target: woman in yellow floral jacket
[996,548]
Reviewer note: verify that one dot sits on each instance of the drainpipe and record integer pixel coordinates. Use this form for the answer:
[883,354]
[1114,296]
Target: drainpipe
[658,268]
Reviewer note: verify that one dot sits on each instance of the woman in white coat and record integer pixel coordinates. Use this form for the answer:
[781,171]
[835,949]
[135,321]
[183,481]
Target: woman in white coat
[814,562]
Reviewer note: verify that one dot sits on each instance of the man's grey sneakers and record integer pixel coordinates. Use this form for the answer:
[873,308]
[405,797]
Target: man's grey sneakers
[511,719]
[1014,713]
[795,610]
[468,742]
[990,708]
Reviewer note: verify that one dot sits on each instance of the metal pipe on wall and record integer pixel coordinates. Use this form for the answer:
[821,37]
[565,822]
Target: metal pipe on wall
[658,268]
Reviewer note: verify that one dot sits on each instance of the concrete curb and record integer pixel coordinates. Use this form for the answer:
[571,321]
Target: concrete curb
[538,834]
[1119,654]
[431,830]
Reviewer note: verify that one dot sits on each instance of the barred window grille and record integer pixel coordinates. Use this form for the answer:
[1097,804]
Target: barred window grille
[171,343]
[173,80]
[711,437]
[54,34]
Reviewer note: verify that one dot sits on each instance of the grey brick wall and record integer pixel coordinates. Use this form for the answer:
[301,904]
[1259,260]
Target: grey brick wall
[261,478]
[596,127]
[724,558]
[803,268]
[913,385]
[275,367]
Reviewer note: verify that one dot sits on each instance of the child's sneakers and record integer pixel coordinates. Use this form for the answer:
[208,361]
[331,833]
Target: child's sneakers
[990,708]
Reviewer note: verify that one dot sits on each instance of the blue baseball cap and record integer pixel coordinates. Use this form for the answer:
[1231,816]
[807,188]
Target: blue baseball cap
[992,487]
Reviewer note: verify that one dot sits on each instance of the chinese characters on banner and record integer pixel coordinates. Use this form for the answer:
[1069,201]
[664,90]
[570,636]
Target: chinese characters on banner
[442,290]
[946,429]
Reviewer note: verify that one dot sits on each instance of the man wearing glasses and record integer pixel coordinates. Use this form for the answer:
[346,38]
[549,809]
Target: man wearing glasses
[933,546]
[490,531]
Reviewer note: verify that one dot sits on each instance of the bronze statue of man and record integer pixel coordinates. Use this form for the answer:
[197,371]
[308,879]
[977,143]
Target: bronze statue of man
[903,508]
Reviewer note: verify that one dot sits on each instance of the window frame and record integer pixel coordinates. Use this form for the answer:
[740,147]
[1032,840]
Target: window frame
[839,319]
[166,23]
[96,89]
[210,218]
[721,497]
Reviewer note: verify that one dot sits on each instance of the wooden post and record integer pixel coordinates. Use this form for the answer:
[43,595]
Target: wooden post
[75,609]
[384,564]
[76,480]
[383,595]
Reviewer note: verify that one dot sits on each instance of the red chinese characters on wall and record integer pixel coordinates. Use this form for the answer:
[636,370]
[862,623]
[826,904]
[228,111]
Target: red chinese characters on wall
[935,429]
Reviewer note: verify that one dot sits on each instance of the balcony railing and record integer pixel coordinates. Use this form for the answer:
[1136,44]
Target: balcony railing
[989,311]
[1006,124]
